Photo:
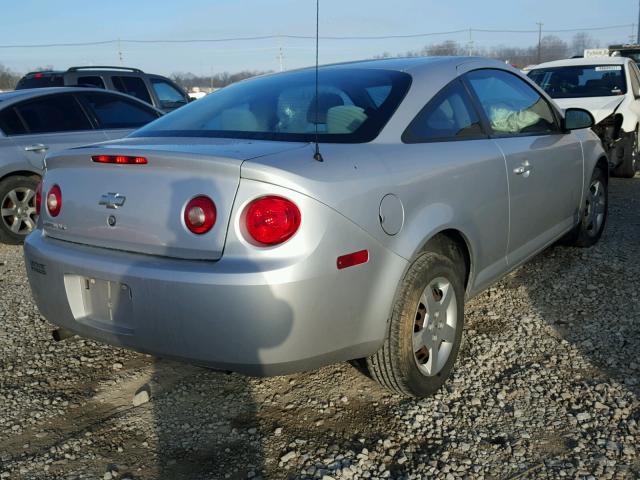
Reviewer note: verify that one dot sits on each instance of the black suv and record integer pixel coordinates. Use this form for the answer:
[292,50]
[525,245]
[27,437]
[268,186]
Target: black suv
[156,90]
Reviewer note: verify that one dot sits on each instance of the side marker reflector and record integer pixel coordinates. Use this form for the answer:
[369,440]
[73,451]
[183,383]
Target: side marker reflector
[353,259]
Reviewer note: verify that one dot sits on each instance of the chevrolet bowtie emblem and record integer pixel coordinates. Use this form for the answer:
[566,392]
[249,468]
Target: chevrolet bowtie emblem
[112,200]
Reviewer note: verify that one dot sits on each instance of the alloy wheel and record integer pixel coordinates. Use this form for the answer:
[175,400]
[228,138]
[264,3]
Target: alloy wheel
[595,208]
[434,330]
[18,210]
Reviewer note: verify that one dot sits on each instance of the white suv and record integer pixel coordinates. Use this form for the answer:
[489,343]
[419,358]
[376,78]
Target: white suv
[609,87]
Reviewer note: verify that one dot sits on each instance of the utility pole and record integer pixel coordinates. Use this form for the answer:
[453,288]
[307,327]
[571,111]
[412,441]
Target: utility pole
[119,51]
[281,59]
[539,41]
[638,35]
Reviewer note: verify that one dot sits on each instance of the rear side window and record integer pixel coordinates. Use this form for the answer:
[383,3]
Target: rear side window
[169,96]
[449,116]
[133,86]
[511,105]
[113,111]
[93,81]
[54,113]
[10,123]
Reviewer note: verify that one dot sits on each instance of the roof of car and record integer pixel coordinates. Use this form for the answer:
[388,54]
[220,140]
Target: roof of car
[409,64]
[576,62]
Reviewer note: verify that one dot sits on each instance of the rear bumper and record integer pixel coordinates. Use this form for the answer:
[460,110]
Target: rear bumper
[231,314]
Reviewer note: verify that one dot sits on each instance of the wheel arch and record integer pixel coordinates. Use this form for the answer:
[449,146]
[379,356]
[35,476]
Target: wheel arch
[20,173]
[454,243]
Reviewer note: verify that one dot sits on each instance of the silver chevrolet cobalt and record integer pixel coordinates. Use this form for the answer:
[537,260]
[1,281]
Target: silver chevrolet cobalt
[219,235]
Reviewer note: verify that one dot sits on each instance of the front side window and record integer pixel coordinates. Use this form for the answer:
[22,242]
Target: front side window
[511,105]
[449,116]
[169,96]
[113,111]
[54,113]
[581,81]
[353,104]
[133,86]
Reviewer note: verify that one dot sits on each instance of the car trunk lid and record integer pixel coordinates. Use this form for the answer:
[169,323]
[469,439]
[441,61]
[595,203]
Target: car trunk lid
[139,208]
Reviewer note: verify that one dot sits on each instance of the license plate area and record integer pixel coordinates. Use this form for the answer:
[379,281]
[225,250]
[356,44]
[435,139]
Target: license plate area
[103,304]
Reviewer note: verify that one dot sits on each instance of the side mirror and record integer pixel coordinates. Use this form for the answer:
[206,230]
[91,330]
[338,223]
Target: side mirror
[578,118]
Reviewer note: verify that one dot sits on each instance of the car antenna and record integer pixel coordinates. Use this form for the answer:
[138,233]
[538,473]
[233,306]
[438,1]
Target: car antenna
[317,155]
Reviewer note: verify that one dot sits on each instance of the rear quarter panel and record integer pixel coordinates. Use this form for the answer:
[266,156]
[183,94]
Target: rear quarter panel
[447,185]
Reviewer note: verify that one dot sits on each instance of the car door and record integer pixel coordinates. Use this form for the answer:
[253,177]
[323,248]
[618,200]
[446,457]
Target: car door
[52,123]
[169,95]
[449,162]
[634,95]
[116,115]
[132,85]
[544,164]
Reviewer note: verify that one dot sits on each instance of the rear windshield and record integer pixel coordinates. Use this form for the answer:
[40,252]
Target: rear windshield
[40,80]
[581,81]
[353,106]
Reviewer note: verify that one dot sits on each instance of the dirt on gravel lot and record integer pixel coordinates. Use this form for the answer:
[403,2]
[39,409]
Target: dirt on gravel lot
[547,386]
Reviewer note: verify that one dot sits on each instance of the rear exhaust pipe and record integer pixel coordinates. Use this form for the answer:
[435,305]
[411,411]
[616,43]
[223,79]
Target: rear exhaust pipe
[60,334]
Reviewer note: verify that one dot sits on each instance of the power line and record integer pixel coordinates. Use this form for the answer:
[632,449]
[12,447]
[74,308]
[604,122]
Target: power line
[305,37]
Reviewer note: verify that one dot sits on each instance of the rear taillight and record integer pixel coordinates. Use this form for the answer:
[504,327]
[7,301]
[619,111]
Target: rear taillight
[119,159]
[272,220]
[38,198]
[54,201]
[200,215]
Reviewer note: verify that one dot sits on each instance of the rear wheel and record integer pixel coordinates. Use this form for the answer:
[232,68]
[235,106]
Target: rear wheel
[18,215]
[594,212]
[629,164]
[425,329]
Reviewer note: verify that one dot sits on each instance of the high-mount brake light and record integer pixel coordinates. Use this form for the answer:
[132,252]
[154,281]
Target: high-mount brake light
[54,201]
[119,159]
[272,220]
[200,215]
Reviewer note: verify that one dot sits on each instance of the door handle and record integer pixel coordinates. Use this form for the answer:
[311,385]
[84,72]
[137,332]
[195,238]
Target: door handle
[38,147]
[523,169]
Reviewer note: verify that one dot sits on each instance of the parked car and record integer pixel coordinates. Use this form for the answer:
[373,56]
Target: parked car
[219,236]
[155,90]
[609,87]
[45,120]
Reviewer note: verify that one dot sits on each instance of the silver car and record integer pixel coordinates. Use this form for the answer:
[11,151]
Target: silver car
[36,121]
[221,235]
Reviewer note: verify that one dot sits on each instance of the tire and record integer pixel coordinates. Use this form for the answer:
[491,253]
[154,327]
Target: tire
[17,208]
[593,217]
[629,164]
[430,298]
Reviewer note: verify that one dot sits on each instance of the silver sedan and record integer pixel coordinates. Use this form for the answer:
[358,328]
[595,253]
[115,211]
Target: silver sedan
[223,235]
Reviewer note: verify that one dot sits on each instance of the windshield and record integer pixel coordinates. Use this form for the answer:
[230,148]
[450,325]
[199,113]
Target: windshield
[353,106]
[581,81]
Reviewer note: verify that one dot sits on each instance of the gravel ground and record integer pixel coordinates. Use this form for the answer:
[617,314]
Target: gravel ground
[547,386]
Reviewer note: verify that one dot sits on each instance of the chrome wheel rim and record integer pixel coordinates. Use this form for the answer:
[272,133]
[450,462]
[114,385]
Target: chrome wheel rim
[595,208]
[435,325]
[18,210]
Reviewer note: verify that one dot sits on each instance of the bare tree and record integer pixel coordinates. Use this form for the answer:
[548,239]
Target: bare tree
[189,80]
[553,48]
[8,78]
[448,47]
[580,42]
